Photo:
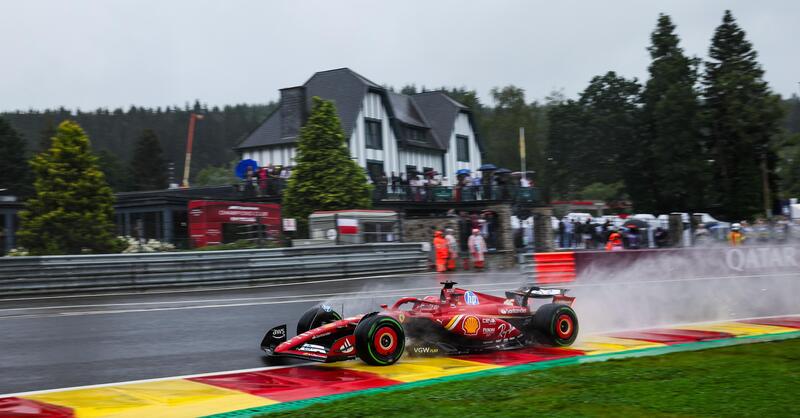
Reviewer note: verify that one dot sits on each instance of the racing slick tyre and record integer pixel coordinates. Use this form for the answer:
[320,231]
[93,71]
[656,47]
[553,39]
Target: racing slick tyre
[315,317]
[380,340]
[556,324]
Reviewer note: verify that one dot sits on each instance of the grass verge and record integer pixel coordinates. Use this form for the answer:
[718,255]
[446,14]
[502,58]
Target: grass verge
[747,380]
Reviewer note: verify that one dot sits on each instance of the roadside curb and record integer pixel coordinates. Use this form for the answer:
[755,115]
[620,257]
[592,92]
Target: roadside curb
[542,365]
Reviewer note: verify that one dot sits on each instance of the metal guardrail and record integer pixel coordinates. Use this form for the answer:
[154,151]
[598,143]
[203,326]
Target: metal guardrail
[53,274]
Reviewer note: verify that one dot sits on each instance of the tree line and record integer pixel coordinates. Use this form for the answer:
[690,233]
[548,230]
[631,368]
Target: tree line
[136,146]
[697,135]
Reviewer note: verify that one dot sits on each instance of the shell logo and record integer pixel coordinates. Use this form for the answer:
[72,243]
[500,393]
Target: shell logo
[470,325]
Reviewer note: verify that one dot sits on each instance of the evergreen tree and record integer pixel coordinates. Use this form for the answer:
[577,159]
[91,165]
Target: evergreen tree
[324,178]
[607,150]
[115,170]
[566,121]
[743,117]
[14,171]
[672,157]
[148,168]
[72,209]
[46,135]
[501,126]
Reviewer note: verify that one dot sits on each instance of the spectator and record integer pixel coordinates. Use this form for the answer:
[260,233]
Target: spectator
[452,245]
[702,238]
[262,180]
[442,250]
[395,182]
[477,248]
[661,237]
[736,237]
[381,185]
[562,233]
[569,231]
[614,242]
[632,237]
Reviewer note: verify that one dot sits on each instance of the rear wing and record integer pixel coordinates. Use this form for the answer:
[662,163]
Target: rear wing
[522,294]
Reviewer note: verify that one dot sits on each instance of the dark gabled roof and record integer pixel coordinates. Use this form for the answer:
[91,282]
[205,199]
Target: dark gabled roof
[405,110]
[434,112]
[441,112]
[268,133]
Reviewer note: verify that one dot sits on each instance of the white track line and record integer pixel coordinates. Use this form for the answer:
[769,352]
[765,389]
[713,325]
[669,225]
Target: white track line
[158,379]
[257,369]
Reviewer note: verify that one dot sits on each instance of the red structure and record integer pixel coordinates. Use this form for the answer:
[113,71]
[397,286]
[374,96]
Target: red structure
[209,222]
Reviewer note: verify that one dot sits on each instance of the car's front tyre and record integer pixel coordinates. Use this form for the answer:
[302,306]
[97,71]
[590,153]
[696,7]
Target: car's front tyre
[380,340]
[315,317]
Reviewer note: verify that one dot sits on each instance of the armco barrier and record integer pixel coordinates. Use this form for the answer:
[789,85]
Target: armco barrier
[49,274]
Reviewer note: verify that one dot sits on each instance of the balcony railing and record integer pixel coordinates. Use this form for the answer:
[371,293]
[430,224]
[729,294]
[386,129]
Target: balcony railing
[275,187]
[455,194]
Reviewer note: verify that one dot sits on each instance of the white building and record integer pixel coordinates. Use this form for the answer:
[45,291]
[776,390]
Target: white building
[387,132]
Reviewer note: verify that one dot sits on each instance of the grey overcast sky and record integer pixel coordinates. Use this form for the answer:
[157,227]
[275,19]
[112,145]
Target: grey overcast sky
[110,53]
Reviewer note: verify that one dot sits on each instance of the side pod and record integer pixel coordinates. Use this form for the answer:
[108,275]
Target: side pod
[273,338]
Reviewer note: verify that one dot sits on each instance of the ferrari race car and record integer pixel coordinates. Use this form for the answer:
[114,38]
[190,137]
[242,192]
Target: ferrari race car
[457,321]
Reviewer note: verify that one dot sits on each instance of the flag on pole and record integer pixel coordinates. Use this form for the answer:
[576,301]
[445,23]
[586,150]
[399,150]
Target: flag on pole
[347,226]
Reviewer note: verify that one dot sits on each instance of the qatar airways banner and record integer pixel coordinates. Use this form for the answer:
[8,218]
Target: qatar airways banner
[688,262]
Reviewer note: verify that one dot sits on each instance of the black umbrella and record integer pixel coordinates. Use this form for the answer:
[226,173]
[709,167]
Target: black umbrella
[487,167]
[635,223]
[502,171]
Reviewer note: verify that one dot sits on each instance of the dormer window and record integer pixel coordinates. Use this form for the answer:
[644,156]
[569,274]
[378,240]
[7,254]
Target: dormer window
[415,134]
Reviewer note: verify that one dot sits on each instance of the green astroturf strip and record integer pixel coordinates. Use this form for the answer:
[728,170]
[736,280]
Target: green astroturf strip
[511,370]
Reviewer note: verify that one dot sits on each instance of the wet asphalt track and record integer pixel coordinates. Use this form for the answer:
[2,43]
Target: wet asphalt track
[53,342]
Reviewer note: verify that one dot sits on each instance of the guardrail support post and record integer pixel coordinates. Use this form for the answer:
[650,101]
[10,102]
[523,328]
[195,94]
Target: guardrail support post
[167,225]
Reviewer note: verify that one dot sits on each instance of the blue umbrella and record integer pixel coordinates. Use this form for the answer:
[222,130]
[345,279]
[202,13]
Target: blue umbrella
[241,168]
[488,167]
[463,171]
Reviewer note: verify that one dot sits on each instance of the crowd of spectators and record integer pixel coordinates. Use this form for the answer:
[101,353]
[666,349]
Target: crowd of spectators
[269,180]
[429,185]
[598,234]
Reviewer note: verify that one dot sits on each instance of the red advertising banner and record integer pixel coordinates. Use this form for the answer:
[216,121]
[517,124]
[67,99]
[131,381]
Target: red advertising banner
[206,219]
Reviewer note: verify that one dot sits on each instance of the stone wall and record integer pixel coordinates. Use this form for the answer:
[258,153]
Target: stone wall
[542,229]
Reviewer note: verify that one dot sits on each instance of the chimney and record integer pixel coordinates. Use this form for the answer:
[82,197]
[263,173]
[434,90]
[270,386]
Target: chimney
[293,111]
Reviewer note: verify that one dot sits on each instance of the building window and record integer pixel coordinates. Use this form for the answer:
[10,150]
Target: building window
[415,134]
[462,148]
[374,133]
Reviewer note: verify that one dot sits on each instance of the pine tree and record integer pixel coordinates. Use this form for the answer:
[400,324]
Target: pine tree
[324,178]
[15,174]
[72,209]
[117,173]
[670,139]
[743,117]
[607,150]
[148,168]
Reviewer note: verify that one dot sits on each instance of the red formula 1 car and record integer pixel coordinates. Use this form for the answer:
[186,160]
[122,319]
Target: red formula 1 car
[457,321]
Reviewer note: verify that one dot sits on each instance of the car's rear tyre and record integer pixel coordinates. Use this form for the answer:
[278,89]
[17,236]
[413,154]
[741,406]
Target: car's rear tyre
[315,317]
[556,324]
[380,340]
